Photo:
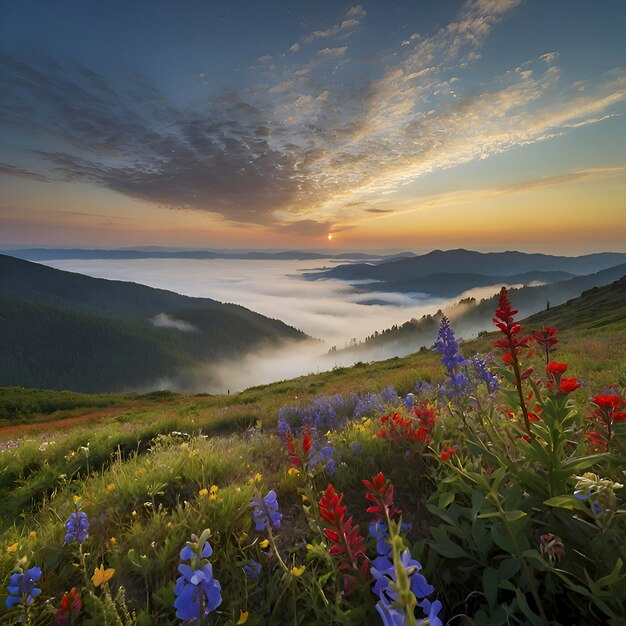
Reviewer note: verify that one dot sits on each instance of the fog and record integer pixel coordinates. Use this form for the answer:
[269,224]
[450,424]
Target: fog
[330,310]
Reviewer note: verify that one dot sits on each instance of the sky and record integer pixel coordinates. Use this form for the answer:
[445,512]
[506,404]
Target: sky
[485,124]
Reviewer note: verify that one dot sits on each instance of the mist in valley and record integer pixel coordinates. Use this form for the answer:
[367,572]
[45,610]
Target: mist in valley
[335,314]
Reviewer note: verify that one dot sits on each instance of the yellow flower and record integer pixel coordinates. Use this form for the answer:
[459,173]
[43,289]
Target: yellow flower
[13,548]
[110,487]
[213,491]
[293,471]
[309,546]
[134,514]
[305,500]
[243,616]
[101,575]
[76,499]
[257,478]
[298,571]
[140,471]
[113,541]
[32,534]
[263,544]
[184,446]
[203,492]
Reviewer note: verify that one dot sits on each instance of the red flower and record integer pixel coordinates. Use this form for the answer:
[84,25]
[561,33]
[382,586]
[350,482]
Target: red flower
[447,452]
[380,492]
[556,369]
[567,385]
[551,546]
[348,543]
[291,449]
[70,607]
[608,403]
[546,339]
[605,417]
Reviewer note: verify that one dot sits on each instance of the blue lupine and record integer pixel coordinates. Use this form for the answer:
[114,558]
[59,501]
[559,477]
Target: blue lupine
[252,569]
[457,385]
[77,527]
[265,512]
[389,395]
[197,592]
[356,448]
[482,372]
[22,587]
[408,401]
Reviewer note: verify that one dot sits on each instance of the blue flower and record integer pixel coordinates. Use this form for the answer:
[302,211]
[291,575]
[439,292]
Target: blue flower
[408,401]
[252,569]
[482,372]
[356,448]
[266,511]
[22,587]
[197,592]
[77,527]
[458,384]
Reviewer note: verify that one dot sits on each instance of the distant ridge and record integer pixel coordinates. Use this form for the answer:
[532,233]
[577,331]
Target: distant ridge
[471,262]
[62,330]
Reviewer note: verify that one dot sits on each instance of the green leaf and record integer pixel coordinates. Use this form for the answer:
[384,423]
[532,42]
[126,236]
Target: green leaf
[566,502]
[490,586]
[611,578]
[584,462]
[526,610]
[508,568]
[445,499]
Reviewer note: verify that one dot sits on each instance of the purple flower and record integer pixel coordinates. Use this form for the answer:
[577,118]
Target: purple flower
[265,511]
[356,448]
[482,373]
[197,592]
[252,569]
[22,587]
[458,384]
[77,527]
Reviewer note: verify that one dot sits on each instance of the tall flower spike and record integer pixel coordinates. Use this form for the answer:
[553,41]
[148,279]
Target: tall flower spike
[348,543]
[77,527]
[512,345]
[265,511]
[380,492]
[197,592]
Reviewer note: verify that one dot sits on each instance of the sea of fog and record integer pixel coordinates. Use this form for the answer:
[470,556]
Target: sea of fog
[330,310]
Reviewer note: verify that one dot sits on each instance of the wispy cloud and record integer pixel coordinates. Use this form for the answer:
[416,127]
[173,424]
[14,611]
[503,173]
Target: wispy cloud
[304,151]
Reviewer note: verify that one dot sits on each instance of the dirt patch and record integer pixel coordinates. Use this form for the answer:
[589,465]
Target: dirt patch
[60,424]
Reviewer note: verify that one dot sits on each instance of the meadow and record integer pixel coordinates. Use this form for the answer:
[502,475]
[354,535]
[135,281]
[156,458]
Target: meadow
[477,482]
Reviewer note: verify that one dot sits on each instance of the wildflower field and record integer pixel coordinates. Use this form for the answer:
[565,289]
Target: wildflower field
[475,483]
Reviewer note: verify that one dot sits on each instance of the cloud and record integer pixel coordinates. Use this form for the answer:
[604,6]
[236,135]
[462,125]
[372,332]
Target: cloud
[18,172]
[297,150]
[381,211]
[163,320]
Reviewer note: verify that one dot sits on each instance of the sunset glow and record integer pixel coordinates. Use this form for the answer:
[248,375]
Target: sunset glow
[409,127]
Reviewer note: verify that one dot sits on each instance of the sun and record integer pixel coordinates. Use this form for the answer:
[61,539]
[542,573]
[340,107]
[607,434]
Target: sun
[329,236]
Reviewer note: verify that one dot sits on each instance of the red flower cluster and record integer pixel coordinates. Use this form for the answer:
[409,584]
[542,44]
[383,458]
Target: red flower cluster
[556,381]
[546,339]
[605,415]
[401,429]
[380,492]
[307,444]
[447,452]
[513,342]
[70,607]
[348,543]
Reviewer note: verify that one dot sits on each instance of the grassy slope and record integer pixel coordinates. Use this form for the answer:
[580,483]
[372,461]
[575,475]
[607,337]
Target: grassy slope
[68,331]
[132,471]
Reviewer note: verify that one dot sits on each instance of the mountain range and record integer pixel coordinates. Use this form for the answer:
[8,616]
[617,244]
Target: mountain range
[62,330]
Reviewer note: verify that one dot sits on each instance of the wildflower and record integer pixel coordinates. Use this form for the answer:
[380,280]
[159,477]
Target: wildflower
[348,544]
[213,492]
[32,534]
[512,345]
[257,478]
[197,592]
[606,415]
[385,574]
[556,369]
[356,448]
[264,544]
[101,575]
[266,511]
[110,487]
[252,569]
[113,541]
[479,363]
[293,471]
[551,546]
[134,514]
[310,546]
[455,363]
[567,385]
[13,548]
[447,452]
[77,527]
[546,339]
[380,492]
[76,499]
[23,588]
[243,617]
[297,571]
[203,492]
[70,607]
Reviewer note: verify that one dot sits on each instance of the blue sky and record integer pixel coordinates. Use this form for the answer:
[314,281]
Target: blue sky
[280,123]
